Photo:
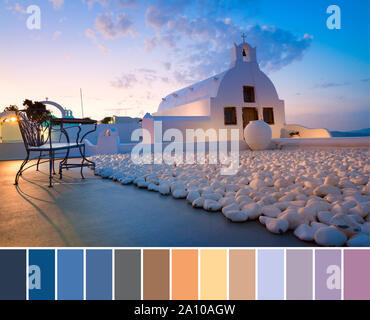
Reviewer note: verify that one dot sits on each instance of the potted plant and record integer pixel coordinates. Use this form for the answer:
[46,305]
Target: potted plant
[36,111]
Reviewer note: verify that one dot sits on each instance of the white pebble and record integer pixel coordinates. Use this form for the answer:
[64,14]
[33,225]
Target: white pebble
[252,210]
[153,187]
[231,207]
[257,184]
[270,211]
[324,190]
[198,203]
[179,193]
[294,219]
[277,226]
[304,232]
[211,205]
[359,240]
[362,209]
[325,216]
[308,212]
[331,180]
[192,195]
[317,225]
[164,189]
[236,216]
[330,237]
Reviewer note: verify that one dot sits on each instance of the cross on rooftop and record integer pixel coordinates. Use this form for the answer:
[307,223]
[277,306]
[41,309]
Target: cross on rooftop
[243,37]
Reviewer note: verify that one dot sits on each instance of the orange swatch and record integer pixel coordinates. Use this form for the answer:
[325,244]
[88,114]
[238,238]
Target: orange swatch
[184,274]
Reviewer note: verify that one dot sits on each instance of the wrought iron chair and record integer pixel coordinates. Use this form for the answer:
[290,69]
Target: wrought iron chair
[36,128]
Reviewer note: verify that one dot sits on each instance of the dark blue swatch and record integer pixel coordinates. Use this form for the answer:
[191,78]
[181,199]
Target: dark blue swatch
[41,274]
[99,274]
[12,274]
[70,275]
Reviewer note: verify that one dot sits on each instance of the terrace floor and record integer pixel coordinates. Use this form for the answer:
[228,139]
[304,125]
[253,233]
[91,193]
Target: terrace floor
[101,213]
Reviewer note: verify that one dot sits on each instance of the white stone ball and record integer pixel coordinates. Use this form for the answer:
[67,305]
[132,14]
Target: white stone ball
[258,135]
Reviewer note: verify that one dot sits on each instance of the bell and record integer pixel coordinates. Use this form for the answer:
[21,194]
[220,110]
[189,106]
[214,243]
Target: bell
[244,54]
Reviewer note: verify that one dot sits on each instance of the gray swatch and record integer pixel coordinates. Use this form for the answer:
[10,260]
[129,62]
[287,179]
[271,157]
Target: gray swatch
[127,275]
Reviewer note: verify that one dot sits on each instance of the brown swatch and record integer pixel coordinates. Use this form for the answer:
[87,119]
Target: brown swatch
[156,275]
[242,275]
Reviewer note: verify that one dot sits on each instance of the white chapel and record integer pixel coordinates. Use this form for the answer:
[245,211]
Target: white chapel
[229,100]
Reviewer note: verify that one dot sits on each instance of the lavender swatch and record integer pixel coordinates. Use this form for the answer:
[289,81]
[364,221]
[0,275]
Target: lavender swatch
[328,271]
[270,274]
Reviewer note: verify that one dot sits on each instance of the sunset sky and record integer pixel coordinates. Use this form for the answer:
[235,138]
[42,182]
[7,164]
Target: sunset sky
[128,54]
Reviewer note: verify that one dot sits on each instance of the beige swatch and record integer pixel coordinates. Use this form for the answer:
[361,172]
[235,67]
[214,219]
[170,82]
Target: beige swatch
[242,273]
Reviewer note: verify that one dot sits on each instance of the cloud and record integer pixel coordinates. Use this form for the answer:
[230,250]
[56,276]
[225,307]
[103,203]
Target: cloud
[326,85]
[145,77]
[17,8]
[198,36]
[104,48]
[111,30]
[124,24]
[167,65]
[89,33]
[90,3]
[163,11]
[106,27]
[57,4]
[146,70]
[57,34]
[365,80]
[127,3]
[125,81]
[150,44]
[277,48]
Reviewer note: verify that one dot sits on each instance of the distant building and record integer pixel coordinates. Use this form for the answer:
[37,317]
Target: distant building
[117,119]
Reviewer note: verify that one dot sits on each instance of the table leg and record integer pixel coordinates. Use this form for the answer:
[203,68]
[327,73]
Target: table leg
[51,163]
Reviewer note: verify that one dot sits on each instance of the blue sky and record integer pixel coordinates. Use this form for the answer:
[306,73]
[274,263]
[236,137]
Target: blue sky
[128,54]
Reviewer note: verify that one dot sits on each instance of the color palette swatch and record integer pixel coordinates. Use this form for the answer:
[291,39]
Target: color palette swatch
[185,278]
[12,274]
[271,274]
[185,274]
[242,274]
[213,274]
[299,275]
[99,274]
[127,280]
[41,284]
[328,274]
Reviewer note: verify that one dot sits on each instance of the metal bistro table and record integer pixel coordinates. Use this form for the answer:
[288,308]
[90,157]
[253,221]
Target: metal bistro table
[78,124]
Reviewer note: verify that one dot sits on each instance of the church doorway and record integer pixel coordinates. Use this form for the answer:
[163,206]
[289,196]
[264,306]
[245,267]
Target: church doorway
[249,114]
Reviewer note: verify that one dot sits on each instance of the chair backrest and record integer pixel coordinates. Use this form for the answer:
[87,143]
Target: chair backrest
[35,130]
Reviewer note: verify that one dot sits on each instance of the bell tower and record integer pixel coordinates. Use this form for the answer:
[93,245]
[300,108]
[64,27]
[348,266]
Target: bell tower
[242,53]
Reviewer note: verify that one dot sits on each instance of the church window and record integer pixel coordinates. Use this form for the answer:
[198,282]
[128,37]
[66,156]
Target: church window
[248,92]
[268,115]
[230,116]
